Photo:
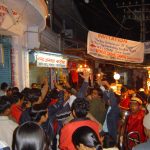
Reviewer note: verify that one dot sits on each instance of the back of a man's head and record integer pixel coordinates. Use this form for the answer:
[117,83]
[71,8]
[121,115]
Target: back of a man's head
[34,94]
[4,86]
[4,104]
[80,107]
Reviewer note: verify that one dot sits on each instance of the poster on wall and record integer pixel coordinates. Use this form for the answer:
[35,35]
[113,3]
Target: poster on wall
[46,60]
[113,48]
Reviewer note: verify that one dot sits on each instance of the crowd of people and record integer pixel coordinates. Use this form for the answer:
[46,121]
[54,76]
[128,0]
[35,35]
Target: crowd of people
[88,118]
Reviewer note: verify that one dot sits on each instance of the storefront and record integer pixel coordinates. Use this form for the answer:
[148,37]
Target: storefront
[47,64]
[20,23]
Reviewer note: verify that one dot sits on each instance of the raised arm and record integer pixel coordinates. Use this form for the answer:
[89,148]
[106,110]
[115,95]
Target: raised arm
[44,89]
[83,90]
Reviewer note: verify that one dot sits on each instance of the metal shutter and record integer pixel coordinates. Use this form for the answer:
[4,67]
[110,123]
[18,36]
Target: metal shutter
[5,70]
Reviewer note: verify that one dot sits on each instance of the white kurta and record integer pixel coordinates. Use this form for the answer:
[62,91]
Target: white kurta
[7,128]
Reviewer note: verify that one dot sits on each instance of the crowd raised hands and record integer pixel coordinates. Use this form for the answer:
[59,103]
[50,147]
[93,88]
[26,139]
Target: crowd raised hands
[59,112]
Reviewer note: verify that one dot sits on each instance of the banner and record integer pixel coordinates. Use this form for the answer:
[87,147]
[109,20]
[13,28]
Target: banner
[113,48]
[46,60]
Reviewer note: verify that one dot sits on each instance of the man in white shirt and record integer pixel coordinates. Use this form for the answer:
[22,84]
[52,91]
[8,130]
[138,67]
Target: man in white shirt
[7,126]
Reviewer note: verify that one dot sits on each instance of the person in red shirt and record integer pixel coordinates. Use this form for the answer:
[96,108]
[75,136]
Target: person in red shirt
[79,110]
[125,99]
[134,124]
[16,108]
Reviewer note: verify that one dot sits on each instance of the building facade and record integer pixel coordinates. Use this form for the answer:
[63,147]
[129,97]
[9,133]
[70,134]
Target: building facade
[20,25]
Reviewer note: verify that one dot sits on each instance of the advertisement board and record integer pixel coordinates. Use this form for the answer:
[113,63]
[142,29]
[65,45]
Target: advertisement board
[47,60]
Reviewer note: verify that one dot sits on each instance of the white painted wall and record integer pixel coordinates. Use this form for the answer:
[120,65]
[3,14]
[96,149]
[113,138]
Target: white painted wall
[20,59]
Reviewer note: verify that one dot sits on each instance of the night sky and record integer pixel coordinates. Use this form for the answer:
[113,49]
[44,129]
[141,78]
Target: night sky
[105,16]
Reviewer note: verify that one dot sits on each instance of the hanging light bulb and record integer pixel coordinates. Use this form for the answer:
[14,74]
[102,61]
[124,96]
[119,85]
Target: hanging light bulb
[85,65]
[116,76]
[80,66]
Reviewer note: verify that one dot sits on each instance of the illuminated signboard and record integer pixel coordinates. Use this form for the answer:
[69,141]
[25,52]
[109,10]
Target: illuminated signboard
[47,60]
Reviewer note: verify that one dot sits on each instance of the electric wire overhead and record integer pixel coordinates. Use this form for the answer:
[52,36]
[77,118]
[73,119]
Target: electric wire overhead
[115,19]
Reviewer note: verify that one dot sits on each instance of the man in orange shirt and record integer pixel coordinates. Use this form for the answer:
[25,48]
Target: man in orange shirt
[16,108]
[80,109]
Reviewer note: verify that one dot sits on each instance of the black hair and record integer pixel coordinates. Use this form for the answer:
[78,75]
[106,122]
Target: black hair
[86,136]
[141,95]
[4,103]
[100,93]
[54,93]
[81,107]
[25,93]
[4,86]
[29,136]
[33,84]
[15,90]
[34,95]
[37,111]
[16,97]
[124,89]
[9,89]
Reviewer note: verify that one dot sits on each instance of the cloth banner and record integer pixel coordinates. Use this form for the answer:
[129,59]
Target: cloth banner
[113,48]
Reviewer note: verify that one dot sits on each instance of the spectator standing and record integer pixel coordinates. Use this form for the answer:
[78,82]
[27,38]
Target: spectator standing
[16,108]
[3,90]
[29,136]
[146,123]
[97,105]
[7,126]
[79,110]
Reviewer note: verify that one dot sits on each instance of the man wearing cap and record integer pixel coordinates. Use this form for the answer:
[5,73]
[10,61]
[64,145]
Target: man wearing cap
[146,123]
[135,122]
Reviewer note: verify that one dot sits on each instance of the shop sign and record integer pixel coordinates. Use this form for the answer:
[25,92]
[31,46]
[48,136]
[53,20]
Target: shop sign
[46,60]
[113,48]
